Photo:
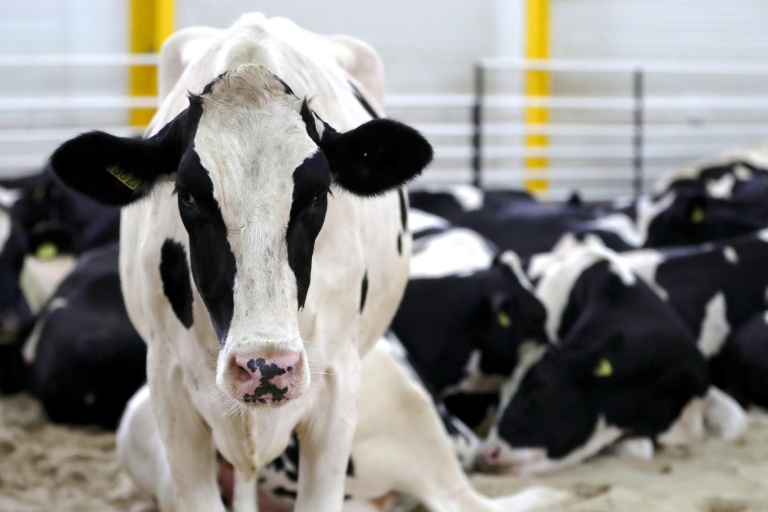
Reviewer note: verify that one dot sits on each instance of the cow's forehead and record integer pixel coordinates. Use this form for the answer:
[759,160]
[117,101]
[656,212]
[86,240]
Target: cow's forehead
[250,139]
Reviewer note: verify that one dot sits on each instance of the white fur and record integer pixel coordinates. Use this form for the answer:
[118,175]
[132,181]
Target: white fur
[715,327]
[455,251]
[622,226]
[419,220]
[730,255]
[469,197]
[637,448]
[721,188]
[723,416]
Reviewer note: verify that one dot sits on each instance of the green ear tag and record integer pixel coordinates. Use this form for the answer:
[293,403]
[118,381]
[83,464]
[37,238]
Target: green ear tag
[697,215]
[504,319]
[126,178]
[604,368]
[47,251]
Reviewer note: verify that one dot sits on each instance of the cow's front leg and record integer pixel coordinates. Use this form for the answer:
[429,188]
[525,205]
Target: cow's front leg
[186,439]
[325,438]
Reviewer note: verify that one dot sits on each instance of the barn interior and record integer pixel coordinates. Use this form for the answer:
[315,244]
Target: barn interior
[588,244]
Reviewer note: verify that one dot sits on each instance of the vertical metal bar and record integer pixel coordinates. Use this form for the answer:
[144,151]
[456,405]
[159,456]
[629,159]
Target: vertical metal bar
[477,126]
[637,139]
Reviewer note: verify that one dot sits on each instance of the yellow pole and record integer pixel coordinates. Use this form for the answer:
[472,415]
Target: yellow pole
[151,22]
[537,84]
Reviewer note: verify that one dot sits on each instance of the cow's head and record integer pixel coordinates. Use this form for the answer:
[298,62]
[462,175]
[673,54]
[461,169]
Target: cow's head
[254,166]
[625,366]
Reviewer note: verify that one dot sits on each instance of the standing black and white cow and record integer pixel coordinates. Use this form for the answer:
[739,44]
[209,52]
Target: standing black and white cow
[624,367]
[241,195]
[84,356]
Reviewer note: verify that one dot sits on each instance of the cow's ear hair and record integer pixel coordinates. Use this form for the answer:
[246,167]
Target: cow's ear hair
[118,170]
[376,157]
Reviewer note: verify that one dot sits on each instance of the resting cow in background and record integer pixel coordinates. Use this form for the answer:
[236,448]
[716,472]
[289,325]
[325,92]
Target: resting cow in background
[463,332]
[240,196]
[512,220]
[55,219]
[16,317]
[384,448]
[85,358]
[742,367]
[713,287]
[624,367]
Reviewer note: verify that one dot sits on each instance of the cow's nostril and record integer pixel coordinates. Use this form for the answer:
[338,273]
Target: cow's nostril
[243,375]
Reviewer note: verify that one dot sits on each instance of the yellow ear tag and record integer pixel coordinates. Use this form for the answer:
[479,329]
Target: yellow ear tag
[697,215]
[604,368]
[39,194]
[504,319]
[126,178]
[47,251]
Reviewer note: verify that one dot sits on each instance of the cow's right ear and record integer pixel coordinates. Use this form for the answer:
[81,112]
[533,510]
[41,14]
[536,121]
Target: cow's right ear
[118,170]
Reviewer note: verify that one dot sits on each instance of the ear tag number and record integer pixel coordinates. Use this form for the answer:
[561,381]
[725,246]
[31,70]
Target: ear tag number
[126,178]
[604,368]
[697,215]
[504,319]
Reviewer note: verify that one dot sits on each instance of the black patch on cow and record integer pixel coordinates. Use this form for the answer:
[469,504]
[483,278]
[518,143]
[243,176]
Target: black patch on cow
[308,116]
[285,493]
[174,273]
[213,263]
[403,209]
[350,468]
[286,87]
[367,106]
[311,181]
[266,387]
[363,291]
[400,244]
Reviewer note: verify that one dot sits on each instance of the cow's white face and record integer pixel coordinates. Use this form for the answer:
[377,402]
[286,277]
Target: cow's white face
[252,193]
[254,165]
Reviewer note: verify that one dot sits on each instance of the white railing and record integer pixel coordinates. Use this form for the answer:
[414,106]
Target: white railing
[585,149]
[660,130]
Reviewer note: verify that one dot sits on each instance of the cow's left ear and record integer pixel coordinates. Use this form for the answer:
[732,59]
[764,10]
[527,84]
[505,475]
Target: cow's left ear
[375,157]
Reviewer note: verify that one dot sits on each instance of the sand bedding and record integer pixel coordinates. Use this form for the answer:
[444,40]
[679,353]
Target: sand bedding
[46,467]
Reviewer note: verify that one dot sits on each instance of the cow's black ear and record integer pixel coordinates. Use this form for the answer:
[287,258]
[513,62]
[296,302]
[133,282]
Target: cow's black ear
[117,170]
[376,157]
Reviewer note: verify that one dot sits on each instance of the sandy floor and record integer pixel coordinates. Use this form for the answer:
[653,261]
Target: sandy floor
[54,468]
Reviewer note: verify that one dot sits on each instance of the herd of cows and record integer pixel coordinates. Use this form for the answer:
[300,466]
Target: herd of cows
[531,336]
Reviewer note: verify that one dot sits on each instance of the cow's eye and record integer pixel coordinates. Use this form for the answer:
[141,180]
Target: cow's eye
[185,197]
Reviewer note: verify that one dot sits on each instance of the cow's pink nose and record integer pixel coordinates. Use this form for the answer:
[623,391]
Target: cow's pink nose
[489,458]
[266,380]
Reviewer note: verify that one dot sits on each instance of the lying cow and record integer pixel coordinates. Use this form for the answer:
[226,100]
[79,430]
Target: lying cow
[240,195]
[55,219]
[624,367]
[16,317]
[463,331]
[85,357]
[384,448]
[512,220]
[713,287]
[742,368]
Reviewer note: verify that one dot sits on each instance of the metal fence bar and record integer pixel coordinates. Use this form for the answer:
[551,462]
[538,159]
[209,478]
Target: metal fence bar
[477,127]
[637,136]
